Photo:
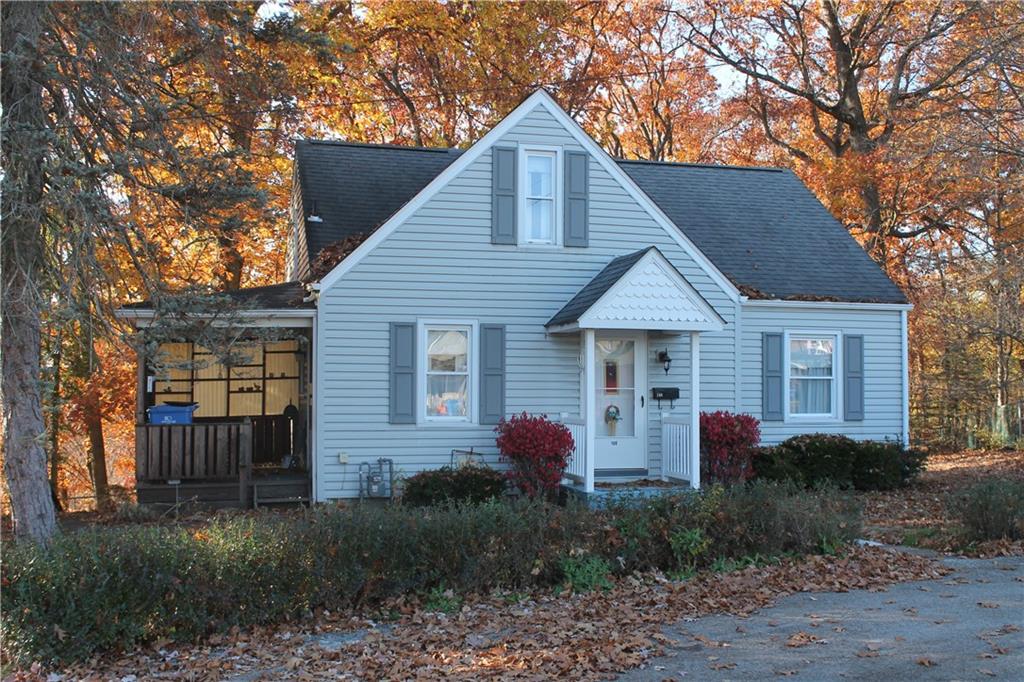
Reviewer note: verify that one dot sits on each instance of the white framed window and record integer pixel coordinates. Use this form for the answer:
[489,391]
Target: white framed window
[540,215]
[448,370]
[812,375]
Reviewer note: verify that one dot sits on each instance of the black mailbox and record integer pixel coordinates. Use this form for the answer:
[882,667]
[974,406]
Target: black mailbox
[667,393]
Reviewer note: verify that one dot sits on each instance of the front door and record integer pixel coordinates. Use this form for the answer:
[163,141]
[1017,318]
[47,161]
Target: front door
[621,383]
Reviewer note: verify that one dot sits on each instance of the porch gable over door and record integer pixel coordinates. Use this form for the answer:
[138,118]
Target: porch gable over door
[641,290]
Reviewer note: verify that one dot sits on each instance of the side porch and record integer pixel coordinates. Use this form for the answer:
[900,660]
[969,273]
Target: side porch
[226,426]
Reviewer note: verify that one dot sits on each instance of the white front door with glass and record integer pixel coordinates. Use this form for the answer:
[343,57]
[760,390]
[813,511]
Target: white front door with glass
[620,382]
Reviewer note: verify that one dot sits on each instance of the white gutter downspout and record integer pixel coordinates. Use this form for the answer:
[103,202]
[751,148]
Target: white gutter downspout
[905,352]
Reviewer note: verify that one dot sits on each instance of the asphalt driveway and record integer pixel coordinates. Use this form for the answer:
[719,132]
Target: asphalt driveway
[966,626]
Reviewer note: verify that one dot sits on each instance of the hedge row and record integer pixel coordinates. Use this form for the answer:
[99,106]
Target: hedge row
[113,588]
[817,458]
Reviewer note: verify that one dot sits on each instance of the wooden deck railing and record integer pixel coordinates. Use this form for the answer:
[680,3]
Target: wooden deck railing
[208,451]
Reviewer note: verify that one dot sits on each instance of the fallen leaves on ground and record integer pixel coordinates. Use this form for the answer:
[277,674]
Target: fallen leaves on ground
[917,514]
[583,636]
[799,639]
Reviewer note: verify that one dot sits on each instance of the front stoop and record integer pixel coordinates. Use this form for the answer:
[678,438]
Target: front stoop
[623,494]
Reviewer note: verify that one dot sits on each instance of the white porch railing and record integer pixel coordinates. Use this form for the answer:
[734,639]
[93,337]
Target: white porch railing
[678,459]
[577,467]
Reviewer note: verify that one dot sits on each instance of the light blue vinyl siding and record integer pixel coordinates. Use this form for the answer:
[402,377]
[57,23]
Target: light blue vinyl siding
[883,380]
[440,264]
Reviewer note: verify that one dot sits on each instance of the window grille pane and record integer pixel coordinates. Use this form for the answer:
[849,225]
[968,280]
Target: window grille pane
[447,395]
[541,213]
[540,170]
[447,350]
[811,357]
[810,396]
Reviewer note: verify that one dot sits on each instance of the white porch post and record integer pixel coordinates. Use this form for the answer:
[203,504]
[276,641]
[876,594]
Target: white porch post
[589,407]
[695,409]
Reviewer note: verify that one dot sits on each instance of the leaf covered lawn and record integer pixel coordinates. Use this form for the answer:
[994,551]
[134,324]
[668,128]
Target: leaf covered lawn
[917,515]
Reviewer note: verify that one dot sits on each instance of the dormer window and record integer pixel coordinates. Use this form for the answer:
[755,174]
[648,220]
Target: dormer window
[540,219]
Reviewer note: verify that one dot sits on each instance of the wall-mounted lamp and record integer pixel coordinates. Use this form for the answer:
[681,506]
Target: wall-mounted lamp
[314,215]
[665,359]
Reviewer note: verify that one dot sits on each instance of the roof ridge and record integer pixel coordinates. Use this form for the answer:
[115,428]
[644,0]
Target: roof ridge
[714,166]
[378,145]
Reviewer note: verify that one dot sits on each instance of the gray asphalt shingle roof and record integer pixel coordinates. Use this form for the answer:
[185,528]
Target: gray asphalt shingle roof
[766,230]
[762,227]
[596,288]
[355,187]
[270,297]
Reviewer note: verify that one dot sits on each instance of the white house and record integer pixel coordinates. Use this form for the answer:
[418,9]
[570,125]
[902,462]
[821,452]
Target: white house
[533,272]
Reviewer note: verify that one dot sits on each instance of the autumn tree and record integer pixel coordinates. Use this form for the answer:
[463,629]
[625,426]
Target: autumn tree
[110,166]
[836,85]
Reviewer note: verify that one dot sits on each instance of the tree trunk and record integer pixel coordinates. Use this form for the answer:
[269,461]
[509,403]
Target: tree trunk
[93,417]
[21,262]
[57,353]
[229,273]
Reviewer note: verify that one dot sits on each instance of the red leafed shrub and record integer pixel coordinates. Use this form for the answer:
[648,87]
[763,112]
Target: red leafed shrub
[728,443]
[537,450]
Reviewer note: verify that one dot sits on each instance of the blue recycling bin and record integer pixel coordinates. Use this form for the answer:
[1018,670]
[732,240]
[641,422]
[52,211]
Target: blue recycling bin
[171,414]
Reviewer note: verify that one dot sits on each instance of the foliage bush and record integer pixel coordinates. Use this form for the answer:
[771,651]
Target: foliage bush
[464,484]
[990,510]
[877,465]
[819,458]
[116,587]
[586,573]
[537,450]
[728,443]
[767,518]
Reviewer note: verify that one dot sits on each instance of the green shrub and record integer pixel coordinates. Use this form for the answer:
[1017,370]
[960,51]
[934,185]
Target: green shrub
[440,599]
[991,510]
[773,463]
[760,518]
[815,459]
[912,461]
[586,573]
[114,588]
[775,519]
[877,465]
[464,484]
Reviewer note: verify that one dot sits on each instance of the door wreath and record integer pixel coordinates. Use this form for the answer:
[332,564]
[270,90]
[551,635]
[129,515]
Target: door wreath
[612,415]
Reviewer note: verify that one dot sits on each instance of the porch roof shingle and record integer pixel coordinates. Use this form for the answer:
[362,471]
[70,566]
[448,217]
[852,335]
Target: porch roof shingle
[596,288]
[282,296]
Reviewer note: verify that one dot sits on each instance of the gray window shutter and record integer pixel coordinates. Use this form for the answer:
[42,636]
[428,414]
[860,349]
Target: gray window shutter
[503,195]
[492,373]
[772,388]
[853,378]
[402,390]
[576,200]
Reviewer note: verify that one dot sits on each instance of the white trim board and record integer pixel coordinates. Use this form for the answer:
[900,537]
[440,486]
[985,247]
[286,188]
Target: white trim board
[250,318]
[823,305]
[540,98]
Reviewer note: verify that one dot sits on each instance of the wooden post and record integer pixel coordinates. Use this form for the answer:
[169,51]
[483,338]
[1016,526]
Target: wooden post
[695,410]
[141,454]
[244,461]
[140,384]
